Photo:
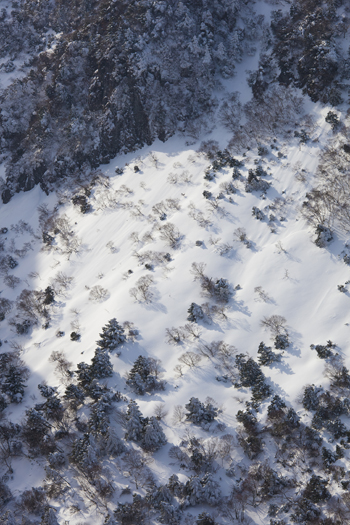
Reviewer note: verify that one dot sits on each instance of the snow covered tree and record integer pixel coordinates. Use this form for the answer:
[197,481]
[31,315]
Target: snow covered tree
[13,384]
[248,420]
[52,408]
[175,486]
[36,431]
[101,365]
[74,394]
[153,436]
[198,413]
[84,375]
[311,397]
[281,341]
[266,356]
[142,377]
[194,491]
[195,313]
[324,351]
[112,335]
[170,513]
[211,492]
[134,423]
[276,408]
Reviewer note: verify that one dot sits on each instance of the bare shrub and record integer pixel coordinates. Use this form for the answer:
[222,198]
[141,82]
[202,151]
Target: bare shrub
[175,335]
[61,282]
[63,366]
[190,359]
[135,465]
[12,281]
[199,217]
[217,349]
[209,148]
[262,294]
[173,178]
[173,204]
[142,292]
[275,323]
[98,294]
[160,411]
[23,251]
[171,234]
[112,248]
[179,415]
[192,330]
[178,369]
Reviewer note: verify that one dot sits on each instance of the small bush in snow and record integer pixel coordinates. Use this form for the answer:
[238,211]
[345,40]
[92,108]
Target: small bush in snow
[195,313]
[258,214]
[324,351]
[324,235]
[98,294]
[255,182]
[281,341]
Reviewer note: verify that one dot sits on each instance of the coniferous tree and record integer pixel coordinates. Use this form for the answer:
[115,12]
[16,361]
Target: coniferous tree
[112,335]
[195,312]
[134,422]
[199,413]
[153,436]
[101,365]
[13,384]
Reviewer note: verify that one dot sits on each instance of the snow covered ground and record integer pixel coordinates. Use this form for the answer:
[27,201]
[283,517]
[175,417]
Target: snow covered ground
[299,280]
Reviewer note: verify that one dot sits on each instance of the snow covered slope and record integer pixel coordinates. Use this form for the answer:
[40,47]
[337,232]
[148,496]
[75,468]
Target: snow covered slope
[130,257]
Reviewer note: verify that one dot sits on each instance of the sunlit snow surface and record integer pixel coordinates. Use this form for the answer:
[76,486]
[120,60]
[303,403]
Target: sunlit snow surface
[301,280]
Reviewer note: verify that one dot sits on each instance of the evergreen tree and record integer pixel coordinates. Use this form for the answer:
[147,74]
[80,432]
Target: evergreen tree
[101,365]
[195,312]
[199,413]
[74,394]
[142,378]
[112,335]
[84,452]
[36,431]
[211,492]
[153,436]
[194,491]
[84,374]
[134,422]
[266,356]
[13,384]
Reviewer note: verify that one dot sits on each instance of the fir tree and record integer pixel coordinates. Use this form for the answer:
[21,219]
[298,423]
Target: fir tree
[112,336]
[153,436]
[134,422]
[101,365]
[74,394]
[266,356]
[13,384]
[141,377]
[199,413]
[211,492]
[195,312]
